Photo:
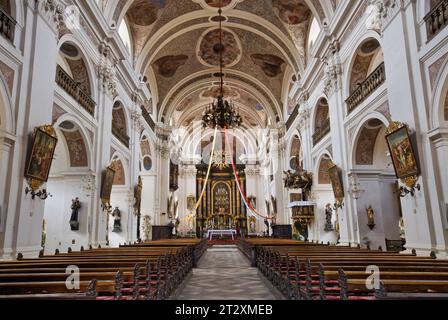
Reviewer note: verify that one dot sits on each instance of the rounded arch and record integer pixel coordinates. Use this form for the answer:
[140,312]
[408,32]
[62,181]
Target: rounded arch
[7,119]
[321,113]
[295,151]
[439,100]
[83,134]
[121,116]
[369,136]
[321,168]
[146,152]
[121,171]
[365,63]
[82,54]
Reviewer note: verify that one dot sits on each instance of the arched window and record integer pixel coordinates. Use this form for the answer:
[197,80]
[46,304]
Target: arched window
[313,34]
[125,35]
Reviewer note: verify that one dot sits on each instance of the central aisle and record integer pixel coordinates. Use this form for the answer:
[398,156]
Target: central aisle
[223,273]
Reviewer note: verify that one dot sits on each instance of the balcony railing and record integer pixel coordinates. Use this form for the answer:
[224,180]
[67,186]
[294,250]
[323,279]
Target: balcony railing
[74,89]
[292,117]
[366,88]
[321,132]
[7,25]
[148,119]
[437,19]
[120,134]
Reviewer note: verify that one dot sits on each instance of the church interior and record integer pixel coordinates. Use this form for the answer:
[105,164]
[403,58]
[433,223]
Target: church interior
[276,149]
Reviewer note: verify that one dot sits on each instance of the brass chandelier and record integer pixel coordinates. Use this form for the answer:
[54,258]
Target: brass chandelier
[221,113]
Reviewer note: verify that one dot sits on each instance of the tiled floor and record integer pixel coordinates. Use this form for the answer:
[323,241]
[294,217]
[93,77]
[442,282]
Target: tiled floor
[223,273]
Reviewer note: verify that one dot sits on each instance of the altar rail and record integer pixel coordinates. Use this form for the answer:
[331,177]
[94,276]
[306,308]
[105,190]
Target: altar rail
[437,19]
[320,133]
[366,88]
[7,25]
[70,86]
[120,134]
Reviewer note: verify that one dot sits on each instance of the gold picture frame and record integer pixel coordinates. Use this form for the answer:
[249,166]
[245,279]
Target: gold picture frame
[39,162]
[337,184]
[106,185]
[402,152]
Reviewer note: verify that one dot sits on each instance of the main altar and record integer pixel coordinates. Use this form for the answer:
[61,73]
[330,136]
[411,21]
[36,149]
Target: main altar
[222,207]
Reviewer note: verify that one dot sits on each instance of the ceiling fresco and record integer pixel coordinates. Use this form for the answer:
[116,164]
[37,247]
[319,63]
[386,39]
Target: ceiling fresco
[262,44]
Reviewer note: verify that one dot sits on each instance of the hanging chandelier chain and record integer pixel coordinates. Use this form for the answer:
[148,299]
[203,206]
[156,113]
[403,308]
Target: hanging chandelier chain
[222,113]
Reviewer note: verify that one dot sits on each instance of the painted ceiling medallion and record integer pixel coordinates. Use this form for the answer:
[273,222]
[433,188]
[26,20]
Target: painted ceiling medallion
[144,12]
[292,12]
[210,49]
[168,65]
[270,64]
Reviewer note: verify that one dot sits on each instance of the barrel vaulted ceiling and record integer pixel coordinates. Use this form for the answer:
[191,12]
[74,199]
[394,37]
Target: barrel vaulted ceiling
[265,50]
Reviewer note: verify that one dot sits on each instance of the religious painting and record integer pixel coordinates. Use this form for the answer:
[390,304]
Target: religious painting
[402,153]
[107,183]
[221,198]
[336,182]
[41,157]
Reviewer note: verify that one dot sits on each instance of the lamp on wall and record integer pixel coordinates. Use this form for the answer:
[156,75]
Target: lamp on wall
[355,190]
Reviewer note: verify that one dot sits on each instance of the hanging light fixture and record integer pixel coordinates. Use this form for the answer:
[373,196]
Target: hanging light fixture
[221,113]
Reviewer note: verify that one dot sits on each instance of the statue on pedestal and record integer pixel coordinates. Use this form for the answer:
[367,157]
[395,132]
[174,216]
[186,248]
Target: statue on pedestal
[328,214]
[117,220]
[370,217]
[74,223]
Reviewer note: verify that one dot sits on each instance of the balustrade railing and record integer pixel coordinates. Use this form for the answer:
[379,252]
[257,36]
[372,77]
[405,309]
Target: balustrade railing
[321,132]
[120,134]
[148,119]
[366,88]
[70,86]
[7,26]
[437,19]
[292,117]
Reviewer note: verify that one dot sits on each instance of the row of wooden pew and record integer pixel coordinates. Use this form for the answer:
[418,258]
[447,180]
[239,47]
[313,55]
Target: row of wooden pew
[309,271]
[150,271]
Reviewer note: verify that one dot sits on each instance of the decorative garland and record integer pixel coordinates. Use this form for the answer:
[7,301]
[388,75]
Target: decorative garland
[246,202]
[192,215]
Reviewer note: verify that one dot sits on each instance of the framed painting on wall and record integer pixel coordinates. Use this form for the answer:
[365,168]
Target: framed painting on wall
[336,182]
[41,156]
[107,183]
[402,153]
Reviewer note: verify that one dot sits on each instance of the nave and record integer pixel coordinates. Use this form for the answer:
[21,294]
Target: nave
[224,273]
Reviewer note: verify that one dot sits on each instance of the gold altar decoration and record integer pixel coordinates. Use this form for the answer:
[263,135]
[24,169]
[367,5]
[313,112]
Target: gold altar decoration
[303,214]
[41,156]
[220,160]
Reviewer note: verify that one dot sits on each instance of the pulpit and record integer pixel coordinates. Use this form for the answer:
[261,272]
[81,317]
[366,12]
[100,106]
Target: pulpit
[162,232]
[282,231]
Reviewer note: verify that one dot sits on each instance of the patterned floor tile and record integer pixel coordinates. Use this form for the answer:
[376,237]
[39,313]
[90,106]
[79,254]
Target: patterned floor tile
[224,273]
